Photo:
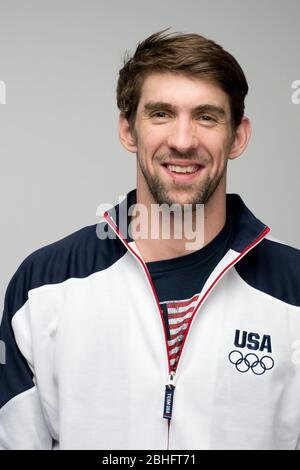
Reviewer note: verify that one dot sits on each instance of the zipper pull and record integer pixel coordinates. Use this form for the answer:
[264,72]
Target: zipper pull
[169,395]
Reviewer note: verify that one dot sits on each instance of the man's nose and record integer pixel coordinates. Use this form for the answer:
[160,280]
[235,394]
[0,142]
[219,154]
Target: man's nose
[183,136]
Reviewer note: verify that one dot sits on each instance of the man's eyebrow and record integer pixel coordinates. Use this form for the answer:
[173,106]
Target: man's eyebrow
[203,108]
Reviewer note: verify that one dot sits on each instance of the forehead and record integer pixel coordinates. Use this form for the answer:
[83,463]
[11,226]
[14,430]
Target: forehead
[182,91]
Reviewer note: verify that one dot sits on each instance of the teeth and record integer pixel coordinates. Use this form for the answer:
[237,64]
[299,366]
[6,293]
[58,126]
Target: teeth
[183,169]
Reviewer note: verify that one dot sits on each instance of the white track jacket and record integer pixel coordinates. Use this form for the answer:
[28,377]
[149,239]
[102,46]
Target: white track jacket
[84,361]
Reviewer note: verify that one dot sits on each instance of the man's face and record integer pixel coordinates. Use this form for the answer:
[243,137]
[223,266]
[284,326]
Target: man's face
[183,138]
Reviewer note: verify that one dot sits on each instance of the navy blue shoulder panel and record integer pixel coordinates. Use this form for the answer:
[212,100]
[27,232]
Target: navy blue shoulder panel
[78,255]
[273,268]
[247,227]
[15,374]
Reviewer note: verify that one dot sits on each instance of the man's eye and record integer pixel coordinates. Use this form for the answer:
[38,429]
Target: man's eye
[161,114]
[205,117]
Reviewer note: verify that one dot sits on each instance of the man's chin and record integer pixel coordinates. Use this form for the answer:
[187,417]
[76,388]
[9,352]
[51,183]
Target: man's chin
[180,198]
[179,194]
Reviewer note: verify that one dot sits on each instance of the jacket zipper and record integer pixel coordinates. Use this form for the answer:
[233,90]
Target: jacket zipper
[169,395]
[168,405]
[170,386]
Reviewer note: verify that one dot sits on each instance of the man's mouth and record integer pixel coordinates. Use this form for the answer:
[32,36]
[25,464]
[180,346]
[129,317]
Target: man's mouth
[182,169]
[182,172]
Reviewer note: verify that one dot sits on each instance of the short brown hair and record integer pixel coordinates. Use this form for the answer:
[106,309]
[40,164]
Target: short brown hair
[189,54]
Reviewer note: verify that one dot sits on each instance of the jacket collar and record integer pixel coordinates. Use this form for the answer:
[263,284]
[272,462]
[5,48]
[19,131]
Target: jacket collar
[246,227]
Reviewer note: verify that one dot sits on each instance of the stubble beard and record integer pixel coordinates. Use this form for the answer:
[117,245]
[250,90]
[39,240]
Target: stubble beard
[160,192]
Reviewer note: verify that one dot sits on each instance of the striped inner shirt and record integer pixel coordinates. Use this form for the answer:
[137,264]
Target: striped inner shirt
[179,316]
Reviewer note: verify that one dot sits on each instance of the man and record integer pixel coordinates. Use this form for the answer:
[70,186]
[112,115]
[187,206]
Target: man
[115,341]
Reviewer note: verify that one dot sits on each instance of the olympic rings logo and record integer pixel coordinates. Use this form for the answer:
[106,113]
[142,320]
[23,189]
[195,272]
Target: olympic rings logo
[250,361]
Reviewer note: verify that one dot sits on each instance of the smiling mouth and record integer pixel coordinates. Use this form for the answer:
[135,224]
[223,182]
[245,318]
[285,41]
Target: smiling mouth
[182,172]
[182,169]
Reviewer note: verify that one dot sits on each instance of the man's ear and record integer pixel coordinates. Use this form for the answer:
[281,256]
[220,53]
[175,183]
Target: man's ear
[242,137]
[127,138]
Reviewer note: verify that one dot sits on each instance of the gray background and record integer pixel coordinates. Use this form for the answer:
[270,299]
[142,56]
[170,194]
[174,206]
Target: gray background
[60,154]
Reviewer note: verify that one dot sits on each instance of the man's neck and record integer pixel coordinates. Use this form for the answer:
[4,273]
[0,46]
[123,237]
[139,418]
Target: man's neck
[205,227]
